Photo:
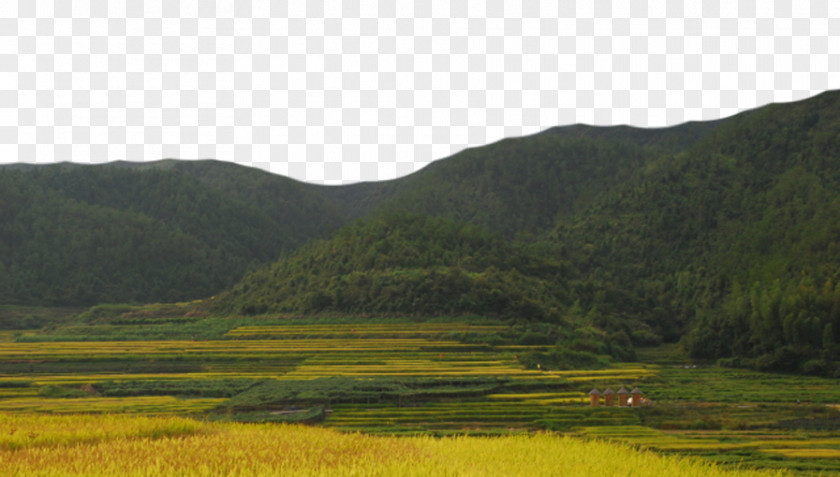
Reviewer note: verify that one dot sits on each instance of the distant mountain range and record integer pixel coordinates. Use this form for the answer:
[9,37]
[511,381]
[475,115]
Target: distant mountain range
[724,234]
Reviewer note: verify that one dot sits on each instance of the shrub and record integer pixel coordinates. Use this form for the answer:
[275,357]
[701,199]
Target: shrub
[818,367]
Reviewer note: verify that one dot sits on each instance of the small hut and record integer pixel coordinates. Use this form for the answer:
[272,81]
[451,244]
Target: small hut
[594,398]
[609,397]
[637,397]
[622,396]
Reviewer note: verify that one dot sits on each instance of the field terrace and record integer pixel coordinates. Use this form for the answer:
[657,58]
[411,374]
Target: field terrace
[404,377]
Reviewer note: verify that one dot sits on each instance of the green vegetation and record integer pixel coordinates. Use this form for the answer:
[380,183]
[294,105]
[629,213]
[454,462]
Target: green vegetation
[681,244]
[404,264]
[79,235]
[343,389]
[33,317]
[225,387]
[414,265]
[519,186]
[621,238]
[786,325]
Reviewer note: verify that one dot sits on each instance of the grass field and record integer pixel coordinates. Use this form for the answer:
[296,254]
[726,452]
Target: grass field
[407,377]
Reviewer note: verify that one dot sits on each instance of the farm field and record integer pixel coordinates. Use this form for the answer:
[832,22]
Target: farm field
[128,446]
[402,377]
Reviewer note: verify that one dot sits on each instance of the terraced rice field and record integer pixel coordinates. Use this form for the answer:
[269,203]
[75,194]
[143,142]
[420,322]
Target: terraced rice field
[806,452]
[274,352]
[154,405]
[476,418]
[407,378]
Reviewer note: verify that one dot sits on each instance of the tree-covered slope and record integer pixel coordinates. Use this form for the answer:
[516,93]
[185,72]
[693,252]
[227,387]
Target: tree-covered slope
[709,237]
[235,218]
[518,185]
[782,262]
[524,185]
[83,235]
[405,264]
[302,210]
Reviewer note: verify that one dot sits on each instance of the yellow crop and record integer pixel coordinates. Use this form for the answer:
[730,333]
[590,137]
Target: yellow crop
[807,453]
[232,348]
[133,404]
[18,431]
[134,446]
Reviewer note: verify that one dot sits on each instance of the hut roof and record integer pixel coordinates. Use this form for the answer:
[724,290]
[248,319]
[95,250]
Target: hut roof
[623,390]
[636,391]
[609,391]
[594,392]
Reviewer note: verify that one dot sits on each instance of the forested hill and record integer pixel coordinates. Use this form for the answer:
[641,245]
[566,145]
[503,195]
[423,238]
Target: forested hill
[525,185]
[179,230]
[733,239]
[405,264]
[164,231]
[723,235]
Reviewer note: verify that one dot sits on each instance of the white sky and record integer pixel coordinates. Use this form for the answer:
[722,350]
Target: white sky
[331,93]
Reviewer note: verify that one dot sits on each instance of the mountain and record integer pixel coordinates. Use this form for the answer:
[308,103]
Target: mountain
[165,231]
[524,185]
[721,234]
[179,230]
[732,239]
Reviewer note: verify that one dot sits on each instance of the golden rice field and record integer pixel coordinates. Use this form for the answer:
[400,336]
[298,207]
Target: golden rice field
[153,405]
[36,445]
[230,348]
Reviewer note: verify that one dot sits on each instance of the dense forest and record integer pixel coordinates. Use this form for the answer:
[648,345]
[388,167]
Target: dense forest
[722,235]
[728,242]
[81,235]
[401,263]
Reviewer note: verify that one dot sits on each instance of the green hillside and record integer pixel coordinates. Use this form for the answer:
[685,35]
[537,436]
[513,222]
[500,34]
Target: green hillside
[180,230]
[76,235]
[522,186]
[733,238]
[722,235]
[519,185]
[406,264]
[403,264]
